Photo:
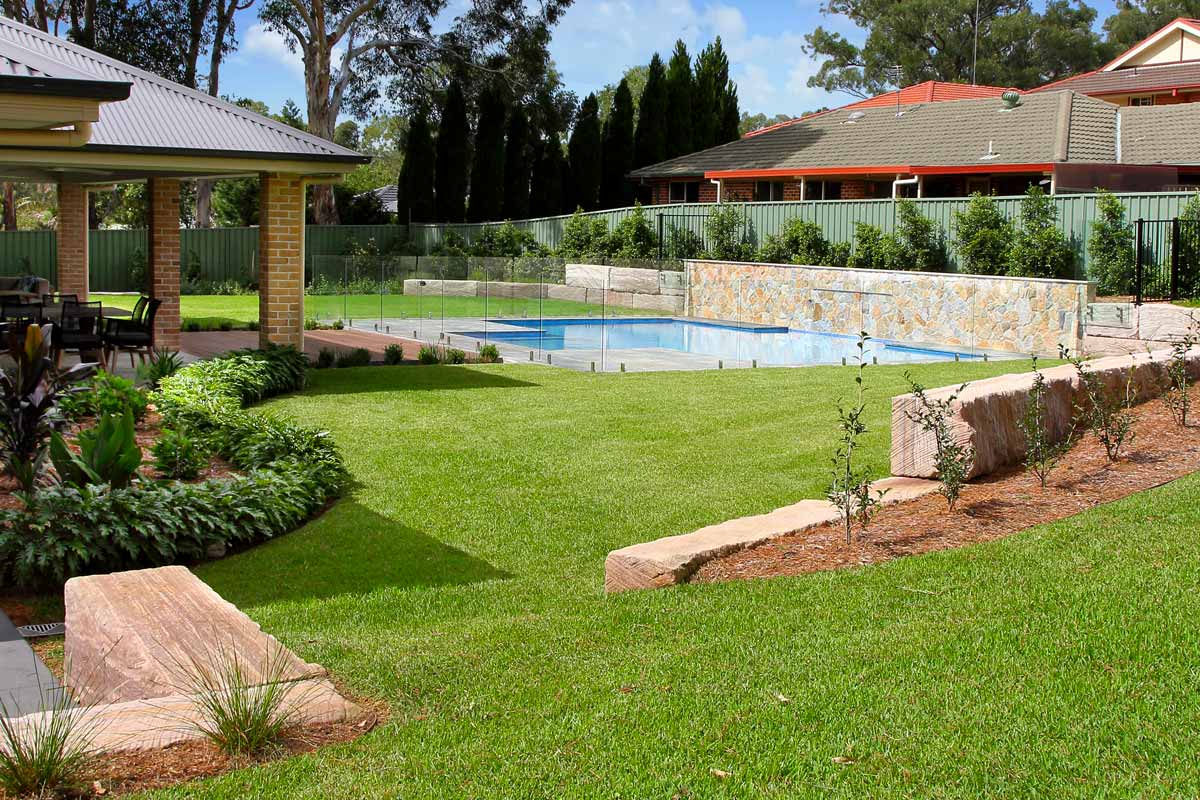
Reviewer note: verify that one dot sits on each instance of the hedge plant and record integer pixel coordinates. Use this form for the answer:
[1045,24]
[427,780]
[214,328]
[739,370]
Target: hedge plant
[290,472]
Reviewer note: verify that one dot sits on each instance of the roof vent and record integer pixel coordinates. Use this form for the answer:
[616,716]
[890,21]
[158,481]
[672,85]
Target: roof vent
[1011,99]
[854,117]
[991,154]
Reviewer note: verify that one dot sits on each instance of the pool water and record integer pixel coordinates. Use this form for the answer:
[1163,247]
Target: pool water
[779,346]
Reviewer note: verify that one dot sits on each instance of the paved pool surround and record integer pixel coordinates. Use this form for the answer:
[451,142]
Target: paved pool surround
[997,313]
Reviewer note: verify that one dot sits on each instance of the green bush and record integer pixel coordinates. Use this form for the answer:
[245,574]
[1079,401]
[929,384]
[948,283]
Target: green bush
[489,354]
[506,241]
[1039,248]
[584,237]
[393,354]
[634,236]
[922,242]
[177,455]
[1110,246]
[108,453]
[455,356]
[728,230]
[428,354]
[163,363]
[325,358]
[799,242]
[874,249]
[290,473]
[358,357]
[984,236]
[106,393]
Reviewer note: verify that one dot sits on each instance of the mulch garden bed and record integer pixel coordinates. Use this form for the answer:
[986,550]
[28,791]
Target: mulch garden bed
[989,508]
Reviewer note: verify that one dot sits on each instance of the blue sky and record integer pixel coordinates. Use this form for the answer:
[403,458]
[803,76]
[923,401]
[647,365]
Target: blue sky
[598,39]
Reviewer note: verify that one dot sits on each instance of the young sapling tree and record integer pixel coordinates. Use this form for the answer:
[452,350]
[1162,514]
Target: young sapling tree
[952,457]
[1107,414]
[850,485]
[1042,452]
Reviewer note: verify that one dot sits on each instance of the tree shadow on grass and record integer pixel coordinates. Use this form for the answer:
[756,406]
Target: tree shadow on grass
[410,379]
[349,550]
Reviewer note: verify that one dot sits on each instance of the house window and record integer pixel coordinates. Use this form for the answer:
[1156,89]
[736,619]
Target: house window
[768,191]
[1148,100]
[981,185]
[822,190]
[685,192]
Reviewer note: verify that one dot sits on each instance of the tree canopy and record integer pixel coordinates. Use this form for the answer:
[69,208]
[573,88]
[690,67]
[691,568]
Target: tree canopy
[487,169]
[583,152]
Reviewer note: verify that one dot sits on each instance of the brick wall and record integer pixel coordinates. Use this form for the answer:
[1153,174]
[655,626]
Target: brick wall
[281,260]
[73,239]
[854,190]
[162,262]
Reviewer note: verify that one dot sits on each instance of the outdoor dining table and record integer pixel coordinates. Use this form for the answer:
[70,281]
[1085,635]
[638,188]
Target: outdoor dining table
[53,311]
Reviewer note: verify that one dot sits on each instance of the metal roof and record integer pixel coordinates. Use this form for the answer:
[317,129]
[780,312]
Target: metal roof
[160,115]
[1046,128]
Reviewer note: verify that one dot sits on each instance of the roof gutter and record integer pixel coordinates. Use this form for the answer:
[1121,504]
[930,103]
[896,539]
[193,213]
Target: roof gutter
[74,137]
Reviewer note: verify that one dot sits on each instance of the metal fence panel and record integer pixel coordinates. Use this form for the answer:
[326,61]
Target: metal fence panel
[112,255]
[29,253]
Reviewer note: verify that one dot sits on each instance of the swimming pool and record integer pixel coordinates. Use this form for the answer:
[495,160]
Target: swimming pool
[768,346]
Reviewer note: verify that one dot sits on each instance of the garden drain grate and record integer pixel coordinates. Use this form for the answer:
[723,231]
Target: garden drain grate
[42,629]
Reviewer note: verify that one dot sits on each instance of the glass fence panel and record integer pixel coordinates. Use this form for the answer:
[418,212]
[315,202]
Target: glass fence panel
[324,293]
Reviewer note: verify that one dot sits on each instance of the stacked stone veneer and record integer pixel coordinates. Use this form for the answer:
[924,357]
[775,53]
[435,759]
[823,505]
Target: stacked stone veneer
[1024,315]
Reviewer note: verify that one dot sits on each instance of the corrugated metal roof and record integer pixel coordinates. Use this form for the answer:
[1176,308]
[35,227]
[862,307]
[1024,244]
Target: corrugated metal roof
[161,114]
[1133,80]
[933,134]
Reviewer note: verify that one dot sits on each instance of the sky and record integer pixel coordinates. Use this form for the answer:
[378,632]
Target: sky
[597,40]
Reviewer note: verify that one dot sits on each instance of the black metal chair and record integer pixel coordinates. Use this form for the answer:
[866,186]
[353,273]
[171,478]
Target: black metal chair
[80,330]
[134,336]
[59,297]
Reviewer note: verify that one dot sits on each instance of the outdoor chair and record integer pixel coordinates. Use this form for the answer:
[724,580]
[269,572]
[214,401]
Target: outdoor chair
[80,331]
[134,335]
[58,297]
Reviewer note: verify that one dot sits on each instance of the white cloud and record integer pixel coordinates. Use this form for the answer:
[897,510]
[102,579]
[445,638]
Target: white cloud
[259,42]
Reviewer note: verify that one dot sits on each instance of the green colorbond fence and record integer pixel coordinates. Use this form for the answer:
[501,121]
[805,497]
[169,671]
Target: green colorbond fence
[231,254]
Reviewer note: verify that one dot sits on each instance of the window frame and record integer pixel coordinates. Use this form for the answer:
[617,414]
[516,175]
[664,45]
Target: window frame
[773,188]
[687,188]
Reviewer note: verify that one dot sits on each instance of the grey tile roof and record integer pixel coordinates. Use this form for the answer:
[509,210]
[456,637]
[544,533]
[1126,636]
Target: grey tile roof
[1161,134]
[159,114]
[1045,128]
[1131,80]
[388,196]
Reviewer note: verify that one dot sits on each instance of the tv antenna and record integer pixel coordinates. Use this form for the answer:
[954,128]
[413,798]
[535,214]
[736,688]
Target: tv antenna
[895,75]
[975,54]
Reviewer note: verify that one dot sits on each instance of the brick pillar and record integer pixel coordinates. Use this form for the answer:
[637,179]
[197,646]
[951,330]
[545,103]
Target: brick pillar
[162,262]
[73,239]
[281,260]
[854,190]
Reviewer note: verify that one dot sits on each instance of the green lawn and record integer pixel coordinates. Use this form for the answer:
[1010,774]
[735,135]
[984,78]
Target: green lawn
[461,584]
[212,310]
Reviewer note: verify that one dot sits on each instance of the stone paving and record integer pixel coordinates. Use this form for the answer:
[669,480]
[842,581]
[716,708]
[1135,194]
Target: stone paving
[26,686]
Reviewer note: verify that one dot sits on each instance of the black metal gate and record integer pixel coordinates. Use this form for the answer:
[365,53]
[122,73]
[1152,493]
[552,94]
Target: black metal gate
[1167,260]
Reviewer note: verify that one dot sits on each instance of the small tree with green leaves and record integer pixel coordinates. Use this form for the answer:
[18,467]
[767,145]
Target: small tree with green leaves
[850,485]
[983,236]
[634,236]
[1108,414]
[952,458]
[1177,397]
[1039,249]
[1110,247]
[1042,452]
[800,242]
[728,228]
[923,242]
[874,249]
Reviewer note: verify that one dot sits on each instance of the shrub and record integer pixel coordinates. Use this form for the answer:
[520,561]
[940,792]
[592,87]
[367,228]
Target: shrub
[178,456]
[874,249]
[1108,414]
[921,240]
[728,230]
[326,358]
[107,393]
[489,354]
[162,364]
[1178,401]
[984,235]
[455,356]
[1042,453]
[1110,247]
[428,354]
[358,357]
[683,243]
[393,354]
[850,485]
[952,458]
[30,394]
[1039,249]
[584,237]
[506,241]
[108,453]
[799,242]
[1189,249]
[634,236]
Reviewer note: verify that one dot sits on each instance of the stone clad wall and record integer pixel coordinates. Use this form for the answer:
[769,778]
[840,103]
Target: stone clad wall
[1023,315]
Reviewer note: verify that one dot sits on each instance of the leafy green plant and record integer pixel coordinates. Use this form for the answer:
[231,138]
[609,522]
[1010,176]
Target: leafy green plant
[921,240]
[107,393]
[1179,383]
[489,354]
[1039,249]
[326,358]
[983,236]
[30,393]
[108,453]
[874,249]
[178,455]
[584,237]
[952,458]
[163,363]
[1042,451]
[683,242]
[634,236]
[1107,414]
[1110,247]
[728,231]
[358,357]
[49,754]
[455,356]
[800,242]
[428,354]
[850,485]
[393,354]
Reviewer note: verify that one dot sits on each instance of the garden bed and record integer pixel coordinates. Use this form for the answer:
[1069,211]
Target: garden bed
[989,508]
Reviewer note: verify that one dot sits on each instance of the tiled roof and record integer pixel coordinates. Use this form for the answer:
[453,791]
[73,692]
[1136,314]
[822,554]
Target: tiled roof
[159,114]
[1161,134]
[1132,80]
[388,196]
[1046,128]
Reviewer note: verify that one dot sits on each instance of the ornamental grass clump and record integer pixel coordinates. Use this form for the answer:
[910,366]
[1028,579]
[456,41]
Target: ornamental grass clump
[50,754]
[952,458]
[850,485]
[1042,451]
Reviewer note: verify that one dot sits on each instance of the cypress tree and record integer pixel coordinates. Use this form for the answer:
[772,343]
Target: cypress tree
[583,150]
[451,166]
[617,158]
[731,116]
[487,170]
[516,166]
[546,197]
[708,102]
[680,86]
[415,190]
[650,140]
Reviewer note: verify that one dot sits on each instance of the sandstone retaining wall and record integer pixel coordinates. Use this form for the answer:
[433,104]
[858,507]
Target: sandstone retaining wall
[1024,315]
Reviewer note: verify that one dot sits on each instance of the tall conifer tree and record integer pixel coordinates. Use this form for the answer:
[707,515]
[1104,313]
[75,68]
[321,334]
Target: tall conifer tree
[650,140]
[487,170]
[451,166]
[583,150]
